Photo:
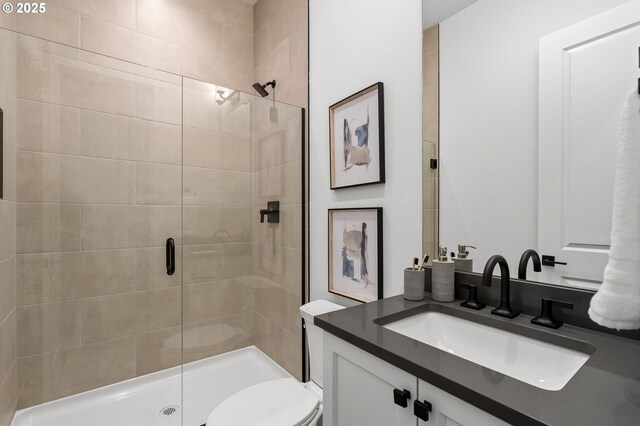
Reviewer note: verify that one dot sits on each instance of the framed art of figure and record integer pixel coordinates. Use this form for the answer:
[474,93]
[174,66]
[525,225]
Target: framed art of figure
[356,138]
[355,253]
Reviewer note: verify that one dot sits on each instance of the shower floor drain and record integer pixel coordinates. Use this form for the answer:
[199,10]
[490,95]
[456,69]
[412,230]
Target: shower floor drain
[168,411]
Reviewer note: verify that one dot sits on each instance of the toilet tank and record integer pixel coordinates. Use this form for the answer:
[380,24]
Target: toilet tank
[314,334]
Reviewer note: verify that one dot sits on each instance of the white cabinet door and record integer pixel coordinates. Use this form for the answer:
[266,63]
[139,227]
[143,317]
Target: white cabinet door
[447,410]
[587,71]
[358,388]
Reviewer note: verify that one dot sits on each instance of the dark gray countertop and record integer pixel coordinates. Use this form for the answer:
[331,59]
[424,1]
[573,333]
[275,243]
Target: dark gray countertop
[605,391]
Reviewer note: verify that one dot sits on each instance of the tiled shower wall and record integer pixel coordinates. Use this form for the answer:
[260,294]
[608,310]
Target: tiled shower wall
[281,53]
[217,216]
[8,376]
[277,159]
[210,40]
[242,278]
[281,43]
[98,191]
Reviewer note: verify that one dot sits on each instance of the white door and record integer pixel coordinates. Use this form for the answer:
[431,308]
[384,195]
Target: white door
[587,71]
[359,388]
[447,410]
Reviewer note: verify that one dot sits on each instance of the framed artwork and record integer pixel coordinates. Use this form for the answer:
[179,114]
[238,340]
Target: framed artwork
[355,253]
[356,138]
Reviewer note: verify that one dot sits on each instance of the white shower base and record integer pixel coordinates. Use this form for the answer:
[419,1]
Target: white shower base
[139,401]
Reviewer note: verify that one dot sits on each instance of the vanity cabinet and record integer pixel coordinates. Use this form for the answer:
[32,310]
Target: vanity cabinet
[361,389]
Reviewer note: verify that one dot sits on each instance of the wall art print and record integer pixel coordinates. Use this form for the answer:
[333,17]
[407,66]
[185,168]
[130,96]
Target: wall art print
[355,253]
[356,136]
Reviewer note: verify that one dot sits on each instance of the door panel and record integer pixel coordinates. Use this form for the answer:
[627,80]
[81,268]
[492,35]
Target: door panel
[359,388]
[587,71]
[98,162]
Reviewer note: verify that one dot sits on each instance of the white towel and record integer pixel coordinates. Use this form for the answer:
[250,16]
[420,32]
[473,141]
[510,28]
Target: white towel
[617,302]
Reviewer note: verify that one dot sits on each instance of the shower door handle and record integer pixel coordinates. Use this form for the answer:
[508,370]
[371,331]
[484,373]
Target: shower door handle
[171,256]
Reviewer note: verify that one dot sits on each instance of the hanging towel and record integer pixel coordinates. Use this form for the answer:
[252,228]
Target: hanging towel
[617,302]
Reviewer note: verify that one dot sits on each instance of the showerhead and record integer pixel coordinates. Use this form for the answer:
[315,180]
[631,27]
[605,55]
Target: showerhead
[262,88]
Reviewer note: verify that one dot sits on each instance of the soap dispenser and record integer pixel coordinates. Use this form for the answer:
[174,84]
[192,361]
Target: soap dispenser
[443,277]
[462,260]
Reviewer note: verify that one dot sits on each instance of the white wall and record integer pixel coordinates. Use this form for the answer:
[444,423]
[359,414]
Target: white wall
[354,44]
[489,121]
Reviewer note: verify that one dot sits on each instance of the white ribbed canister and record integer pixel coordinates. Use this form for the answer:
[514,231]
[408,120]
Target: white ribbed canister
[443,277]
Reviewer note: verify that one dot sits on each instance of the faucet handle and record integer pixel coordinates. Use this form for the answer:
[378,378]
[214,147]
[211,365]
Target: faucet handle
[472,301]
[546,318]
[272,212]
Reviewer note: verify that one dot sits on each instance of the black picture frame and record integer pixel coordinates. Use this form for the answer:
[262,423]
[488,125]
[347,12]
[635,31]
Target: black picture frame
[331,285]
[352,99]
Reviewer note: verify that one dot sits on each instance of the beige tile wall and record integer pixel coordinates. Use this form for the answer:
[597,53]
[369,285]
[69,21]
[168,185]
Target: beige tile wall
[99,185]
[281,47]
[217,253]
[99,189]
[430,136]
[280,53]
[7,232]
[242,278]
[210,40]
[277,156]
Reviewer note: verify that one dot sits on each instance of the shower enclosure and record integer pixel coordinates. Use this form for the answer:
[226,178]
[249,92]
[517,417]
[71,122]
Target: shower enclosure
[143,271]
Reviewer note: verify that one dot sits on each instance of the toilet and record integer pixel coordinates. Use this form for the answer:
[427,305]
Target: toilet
[282,402]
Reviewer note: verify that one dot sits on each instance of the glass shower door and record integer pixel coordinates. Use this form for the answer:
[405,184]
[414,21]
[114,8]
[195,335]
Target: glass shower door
[140,253]
[218,251]
[98,194]
[242,277]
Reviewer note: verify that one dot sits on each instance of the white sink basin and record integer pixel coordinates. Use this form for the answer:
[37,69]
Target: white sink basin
[538,363]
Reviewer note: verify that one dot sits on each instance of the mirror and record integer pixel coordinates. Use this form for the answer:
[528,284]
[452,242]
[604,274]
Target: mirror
[522,108]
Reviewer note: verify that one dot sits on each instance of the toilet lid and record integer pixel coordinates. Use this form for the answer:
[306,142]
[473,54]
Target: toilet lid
[281,402]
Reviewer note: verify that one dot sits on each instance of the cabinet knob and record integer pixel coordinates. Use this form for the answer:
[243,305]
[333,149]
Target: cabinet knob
[421,409]
[400,397]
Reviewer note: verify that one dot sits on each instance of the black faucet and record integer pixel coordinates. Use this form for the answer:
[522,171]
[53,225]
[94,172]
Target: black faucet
[524,260]
[504,310]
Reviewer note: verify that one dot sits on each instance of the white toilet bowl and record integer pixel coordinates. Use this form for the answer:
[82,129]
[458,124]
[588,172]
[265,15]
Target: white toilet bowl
[281,402]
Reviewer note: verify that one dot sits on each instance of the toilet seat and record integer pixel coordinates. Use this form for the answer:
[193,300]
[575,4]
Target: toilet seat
[281,402]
